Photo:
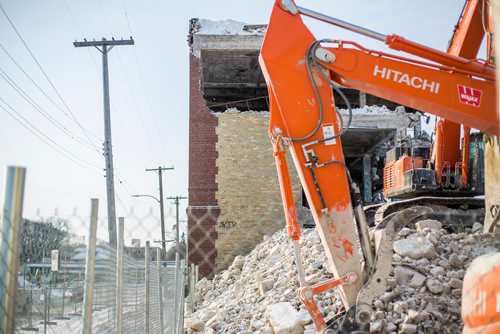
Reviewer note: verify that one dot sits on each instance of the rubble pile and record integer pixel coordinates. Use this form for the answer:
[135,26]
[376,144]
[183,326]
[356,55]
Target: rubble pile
[256,294]
[425,289]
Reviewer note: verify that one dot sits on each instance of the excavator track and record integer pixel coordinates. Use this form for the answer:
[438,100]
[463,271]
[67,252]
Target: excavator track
[459,212]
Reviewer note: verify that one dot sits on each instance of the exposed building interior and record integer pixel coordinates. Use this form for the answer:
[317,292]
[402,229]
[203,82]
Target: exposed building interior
[231,78]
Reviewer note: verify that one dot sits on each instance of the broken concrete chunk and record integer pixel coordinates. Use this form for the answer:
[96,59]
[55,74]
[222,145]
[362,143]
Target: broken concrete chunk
[409,277]
[239,261]
[434,285]
[432,238]
[437,271]
[405,231]
[265,286]
[257,324]
[207,316]
[455,261]
[275,250]
[476,227]
[455,283]
[203,284]
[428,223]
[284,318]
[400,306]
[226,274]
[391,327]
[416,316]
[304,318]
[408,328]
[194,324]
[415,248]
[376,326]
[378,303]
[387,296]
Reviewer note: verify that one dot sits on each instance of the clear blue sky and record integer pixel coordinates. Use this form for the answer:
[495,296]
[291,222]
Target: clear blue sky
[149,86]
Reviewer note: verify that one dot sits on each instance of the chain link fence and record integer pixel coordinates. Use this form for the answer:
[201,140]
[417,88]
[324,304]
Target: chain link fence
[58,276]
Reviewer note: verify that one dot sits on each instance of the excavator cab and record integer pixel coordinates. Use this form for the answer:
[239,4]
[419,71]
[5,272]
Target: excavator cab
[406,171]
[451,168]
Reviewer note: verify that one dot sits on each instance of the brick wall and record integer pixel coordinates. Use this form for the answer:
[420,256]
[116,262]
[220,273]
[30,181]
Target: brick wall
[202,205]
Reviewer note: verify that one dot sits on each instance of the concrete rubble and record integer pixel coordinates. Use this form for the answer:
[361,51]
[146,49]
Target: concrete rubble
[256,294]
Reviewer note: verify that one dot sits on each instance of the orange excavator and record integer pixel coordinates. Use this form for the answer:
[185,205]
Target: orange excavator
[447,170]
[300,73]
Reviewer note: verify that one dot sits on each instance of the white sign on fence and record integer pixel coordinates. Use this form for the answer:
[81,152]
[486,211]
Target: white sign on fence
[55,260]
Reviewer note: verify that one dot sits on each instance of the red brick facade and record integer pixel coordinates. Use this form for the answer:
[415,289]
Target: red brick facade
[202,210]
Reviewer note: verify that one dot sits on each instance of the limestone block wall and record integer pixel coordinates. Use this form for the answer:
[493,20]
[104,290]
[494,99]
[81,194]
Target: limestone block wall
[248,191]
[491,181]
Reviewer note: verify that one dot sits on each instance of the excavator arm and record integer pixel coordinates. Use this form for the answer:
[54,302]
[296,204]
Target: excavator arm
[300,73]
[441,90]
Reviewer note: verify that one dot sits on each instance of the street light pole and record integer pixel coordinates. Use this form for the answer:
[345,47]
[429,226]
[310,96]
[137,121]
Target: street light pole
[162,214]
[162,217]
[162,221]
[177,203]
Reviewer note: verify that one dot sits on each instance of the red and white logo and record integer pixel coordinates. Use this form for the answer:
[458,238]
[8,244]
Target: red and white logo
[469,95]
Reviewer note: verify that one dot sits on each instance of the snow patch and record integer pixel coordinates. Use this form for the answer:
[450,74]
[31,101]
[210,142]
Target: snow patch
[227,27]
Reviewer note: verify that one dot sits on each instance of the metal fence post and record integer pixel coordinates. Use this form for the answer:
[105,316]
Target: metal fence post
[90,269]
[176,293]
[197,274]
[180,320]
[9,244]
[160,288]
[136,305]
[191,276]
[62,317]
[147,260]
[119,276]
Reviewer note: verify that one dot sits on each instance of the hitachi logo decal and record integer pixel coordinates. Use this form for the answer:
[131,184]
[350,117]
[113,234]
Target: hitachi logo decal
[404,78]
[468,95]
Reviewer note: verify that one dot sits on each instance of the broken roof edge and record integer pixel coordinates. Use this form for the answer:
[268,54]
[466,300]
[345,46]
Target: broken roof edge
[224,35]
[225,27]
[367,117]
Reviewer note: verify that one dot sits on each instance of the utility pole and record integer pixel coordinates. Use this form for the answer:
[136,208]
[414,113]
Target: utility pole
[104,46]
[162,214]
[177,200]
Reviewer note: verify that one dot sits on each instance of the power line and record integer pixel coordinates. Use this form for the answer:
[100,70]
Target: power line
[151,108]
[126,17]
[127,81]
[47,140]
[82,34]
[105,17]
[121,179]
[131,142]
[136,152]
[46,76]
[146,92]
[40,89]
[42,111]
[137,109]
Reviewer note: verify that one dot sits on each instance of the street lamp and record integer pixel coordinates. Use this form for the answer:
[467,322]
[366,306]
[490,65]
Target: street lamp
[162,220]
[147,196]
